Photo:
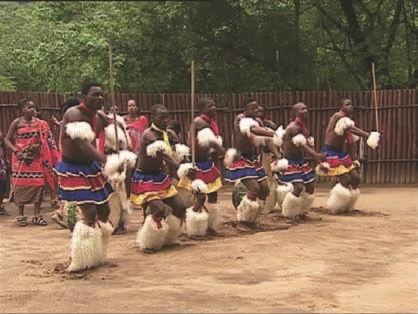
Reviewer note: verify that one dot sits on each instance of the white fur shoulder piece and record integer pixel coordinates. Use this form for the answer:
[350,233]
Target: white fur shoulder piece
[80,130]
[373,140]
[181,151]
[155,147]
[230,156]
[299,140]
[343,124]
[205,137]
[278,136]
[245,125]
[110,137]
[198,186]
[184,169]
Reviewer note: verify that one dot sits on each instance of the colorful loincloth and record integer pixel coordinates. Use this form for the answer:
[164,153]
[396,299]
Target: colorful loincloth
[340,162]
[82,184]
[146,187]
[245,168]
[208,173]
[297,171]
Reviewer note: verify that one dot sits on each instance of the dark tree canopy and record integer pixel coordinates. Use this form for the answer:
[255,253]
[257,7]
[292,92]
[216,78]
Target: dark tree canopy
[238,45]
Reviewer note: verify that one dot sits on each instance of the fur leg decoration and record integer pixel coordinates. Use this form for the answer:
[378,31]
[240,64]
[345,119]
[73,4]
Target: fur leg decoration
[354,196]
[215,219]
[174,230]
[151,235]
[307,201]
[196,222]
[338,200]
[292,206]
[107,230]
[247,210]
[281,192]
[86,247]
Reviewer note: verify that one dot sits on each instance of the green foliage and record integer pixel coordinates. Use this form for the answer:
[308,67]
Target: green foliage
[238,45]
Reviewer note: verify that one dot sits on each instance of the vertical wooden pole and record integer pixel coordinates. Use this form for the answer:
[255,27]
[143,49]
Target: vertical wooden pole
[112,93]
[376,116]
[192,113]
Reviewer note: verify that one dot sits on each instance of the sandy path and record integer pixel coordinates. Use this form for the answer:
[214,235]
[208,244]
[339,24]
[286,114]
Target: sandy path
[358,263]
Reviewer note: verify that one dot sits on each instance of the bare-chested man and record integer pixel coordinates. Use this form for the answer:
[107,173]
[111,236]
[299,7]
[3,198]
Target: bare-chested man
[244,164]
[340,136]
[208,148]
[151,186]
[80,178]
[293,169]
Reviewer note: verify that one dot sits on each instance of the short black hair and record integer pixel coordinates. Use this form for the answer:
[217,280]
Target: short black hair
[264,107]
[157,107]
[87,84]
[21,103]
[344,99]
[201,104]
[250,100]
[70,102]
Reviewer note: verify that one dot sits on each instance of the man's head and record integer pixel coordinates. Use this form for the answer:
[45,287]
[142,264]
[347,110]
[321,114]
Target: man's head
[159,116]
[70,102]
[133,108]
[262,111]
[300,110]
[92,94]
[347,106]
[27,108]
[207,106]
[251,110]
[175,126]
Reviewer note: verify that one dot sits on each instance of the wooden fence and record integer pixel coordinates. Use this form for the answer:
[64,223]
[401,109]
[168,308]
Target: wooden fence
[395,161]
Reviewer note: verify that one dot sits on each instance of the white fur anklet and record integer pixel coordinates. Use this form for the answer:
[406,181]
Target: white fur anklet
[86,247]
[292,206]
[338,199]
[196,222]
[247,210]
[215,219]
[281,192]
[174,230]
[307,201]
[354,196]
[150,236]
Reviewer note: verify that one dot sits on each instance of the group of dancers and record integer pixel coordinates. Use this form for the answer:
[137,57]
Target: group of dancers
[104,169]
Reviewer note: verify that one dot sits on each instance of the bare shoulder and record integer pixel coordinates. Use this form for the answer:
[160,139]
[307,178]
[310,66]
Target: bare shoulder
[200,123]
[148,136]
[72,115]
[292,128]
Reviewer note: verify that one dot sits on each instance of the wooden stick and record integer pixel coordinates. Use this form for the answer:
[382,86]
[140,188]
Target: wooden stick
[192,114]
[112,94]
[375,97]
[375,113]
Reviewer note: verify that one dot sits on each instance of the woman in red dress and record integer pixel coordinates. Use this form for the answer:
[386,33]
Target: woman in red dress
[29,139]
[136,124]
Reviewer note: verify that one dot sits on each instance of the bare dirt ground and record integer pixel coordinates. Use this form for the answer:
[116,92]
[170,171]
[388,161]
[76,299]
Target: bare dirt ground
[363,262]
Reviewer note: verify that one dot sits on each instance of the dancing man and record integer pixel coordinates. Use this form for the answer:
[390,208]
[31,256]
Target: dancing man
[81,180]
[152,187]
[293,170]
[243,163]
[340,136]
